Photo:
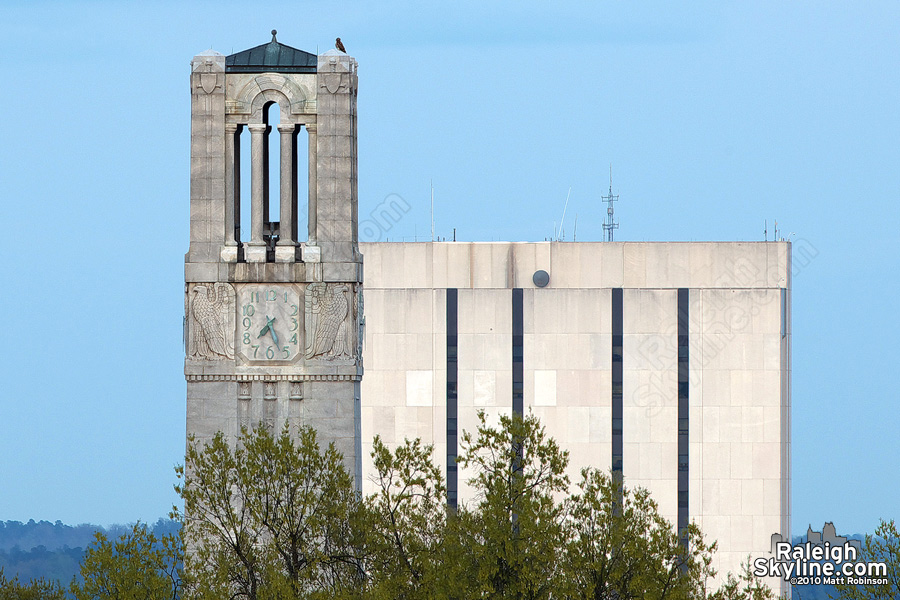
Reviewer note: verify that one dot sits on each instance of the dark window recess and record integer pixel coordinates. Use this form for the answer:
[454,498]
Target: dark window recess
[617,412]
[684,296]
[452,379]
[617,463]
[518,352]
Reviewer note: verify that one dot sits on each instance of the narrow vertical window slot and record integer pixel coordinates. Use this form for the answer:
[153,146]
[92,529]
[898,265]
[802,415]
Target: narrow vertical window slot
[452,378]
[617,421]
[683,410]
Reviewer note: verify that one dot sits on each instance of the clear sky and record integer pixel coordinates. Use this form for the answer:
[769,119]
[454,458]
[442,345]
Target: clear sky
[715,117]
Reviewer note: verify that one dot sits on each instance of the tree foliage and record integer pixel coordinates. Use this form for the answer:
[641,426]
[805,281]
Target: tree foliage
[277,517]
[513,533]
[407,523]
[618,546]
[884,547]
[136,566]
[746,586]
[271,517]
[37,589]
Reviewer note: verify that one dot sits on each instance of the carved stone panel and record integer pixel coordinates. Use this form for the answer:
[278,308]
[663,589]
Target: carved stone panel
[210,315]
[331,321]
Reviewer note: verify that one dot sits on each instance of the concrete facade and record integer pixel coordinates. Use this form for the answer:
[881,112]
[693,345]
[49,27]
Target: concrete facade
[738,352]
[272,324]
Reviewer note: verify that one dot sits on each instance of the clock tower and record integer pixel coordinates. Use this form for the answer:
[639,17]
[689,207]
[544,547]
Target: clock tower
[272,313]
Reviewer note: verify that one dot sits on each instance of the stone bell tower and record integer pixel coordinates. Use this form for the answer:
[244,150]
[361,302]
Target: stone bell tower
[272,321]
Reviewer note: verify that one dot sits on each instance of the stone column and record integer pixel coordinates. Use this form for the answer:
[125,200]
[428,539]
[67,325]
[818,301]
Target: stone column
[312,252]
[256,249]
[229,250]
[207,85]
[284,251]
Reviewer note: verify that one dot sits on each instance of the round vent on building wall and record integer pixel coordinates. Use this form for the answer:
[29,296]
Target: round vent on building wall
[541,278]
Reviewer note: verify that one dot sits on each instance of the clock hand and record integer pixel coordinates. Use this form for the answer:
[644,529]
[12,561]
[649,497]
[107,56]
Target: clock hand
[272,331]
[266,327]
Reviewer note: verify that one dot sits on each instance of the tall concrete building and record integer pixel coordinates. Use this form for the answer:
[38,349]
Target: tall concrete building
[666,362]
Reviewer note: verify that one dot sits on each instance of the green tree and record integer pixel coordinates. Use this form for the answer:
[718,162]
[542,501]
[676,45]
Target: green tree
[884,547]
[620,547]
[513,535]
[408,515]
[37,589]
[137,566]
[270,518]
[746,586]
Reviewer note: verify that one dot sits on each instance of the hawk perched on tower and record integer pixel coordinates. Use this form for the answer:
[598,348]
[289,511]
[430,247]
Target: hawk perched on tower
[339,45]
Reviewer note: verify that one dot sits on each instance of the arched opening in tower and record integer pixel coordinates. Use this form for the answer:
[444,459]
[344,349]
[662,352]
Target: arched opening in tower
[288,140]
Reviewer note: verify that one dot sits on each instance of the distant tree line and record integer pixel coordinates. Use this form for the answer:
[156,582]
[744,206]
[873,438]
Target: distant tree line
[54,551]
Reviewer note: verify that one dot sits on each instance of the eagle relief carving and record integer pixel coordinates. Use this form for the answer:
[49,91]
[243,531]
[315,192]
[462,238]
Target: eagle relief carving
[210,321]
[331,317]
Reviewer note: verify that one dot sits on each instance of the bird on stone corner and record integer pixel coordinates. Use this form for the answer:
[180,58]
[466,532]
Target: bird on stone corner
[339,45]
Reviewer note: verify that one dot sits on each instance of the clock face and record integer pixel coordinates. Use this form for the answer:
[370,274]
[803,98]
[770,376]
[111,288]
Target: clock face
[269,323]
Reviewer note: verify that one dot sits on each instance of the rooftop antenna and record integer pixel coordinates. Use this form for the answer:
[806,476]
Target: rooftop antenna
[610,224]
[432,210]
[559,233]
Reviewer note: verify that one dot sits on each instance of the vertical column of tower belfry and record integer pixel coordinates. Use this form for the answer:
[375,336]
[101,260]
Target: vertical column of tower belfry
[272,327]
[336,159]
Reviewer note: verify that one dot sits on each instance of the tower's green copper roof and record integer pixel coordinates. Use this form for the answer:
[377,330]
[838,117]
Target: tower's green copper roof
[272,57]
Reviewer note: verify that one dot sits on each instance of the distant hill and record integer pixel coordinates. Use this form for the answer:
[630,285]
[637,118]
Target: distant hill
[54,550]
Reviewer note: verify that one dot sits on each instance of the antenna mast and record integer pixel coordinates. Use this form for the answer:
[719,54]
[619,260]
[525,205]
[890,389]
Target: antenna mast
[610,224]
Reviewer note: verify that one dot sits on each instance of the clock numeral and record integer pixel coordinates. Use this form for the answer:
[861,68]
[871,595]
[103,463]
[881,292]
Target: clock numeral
[248,309]
[294,339]
[270,296]
[285,296]
[246,322]
[255,350]
[296,324]
[294,306]
[287,352]
[246,338]
[270,353]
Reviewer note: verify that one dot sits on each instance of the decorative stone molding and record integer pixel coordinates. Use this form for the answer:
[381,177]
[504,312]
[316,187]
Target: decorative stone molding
[271,377]
[331,321]
[210,313]
[298,100]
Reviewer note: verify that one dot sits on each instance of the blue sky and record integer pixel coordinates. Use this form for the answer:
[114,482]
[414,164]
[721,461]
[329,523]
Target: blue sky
[715,117]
